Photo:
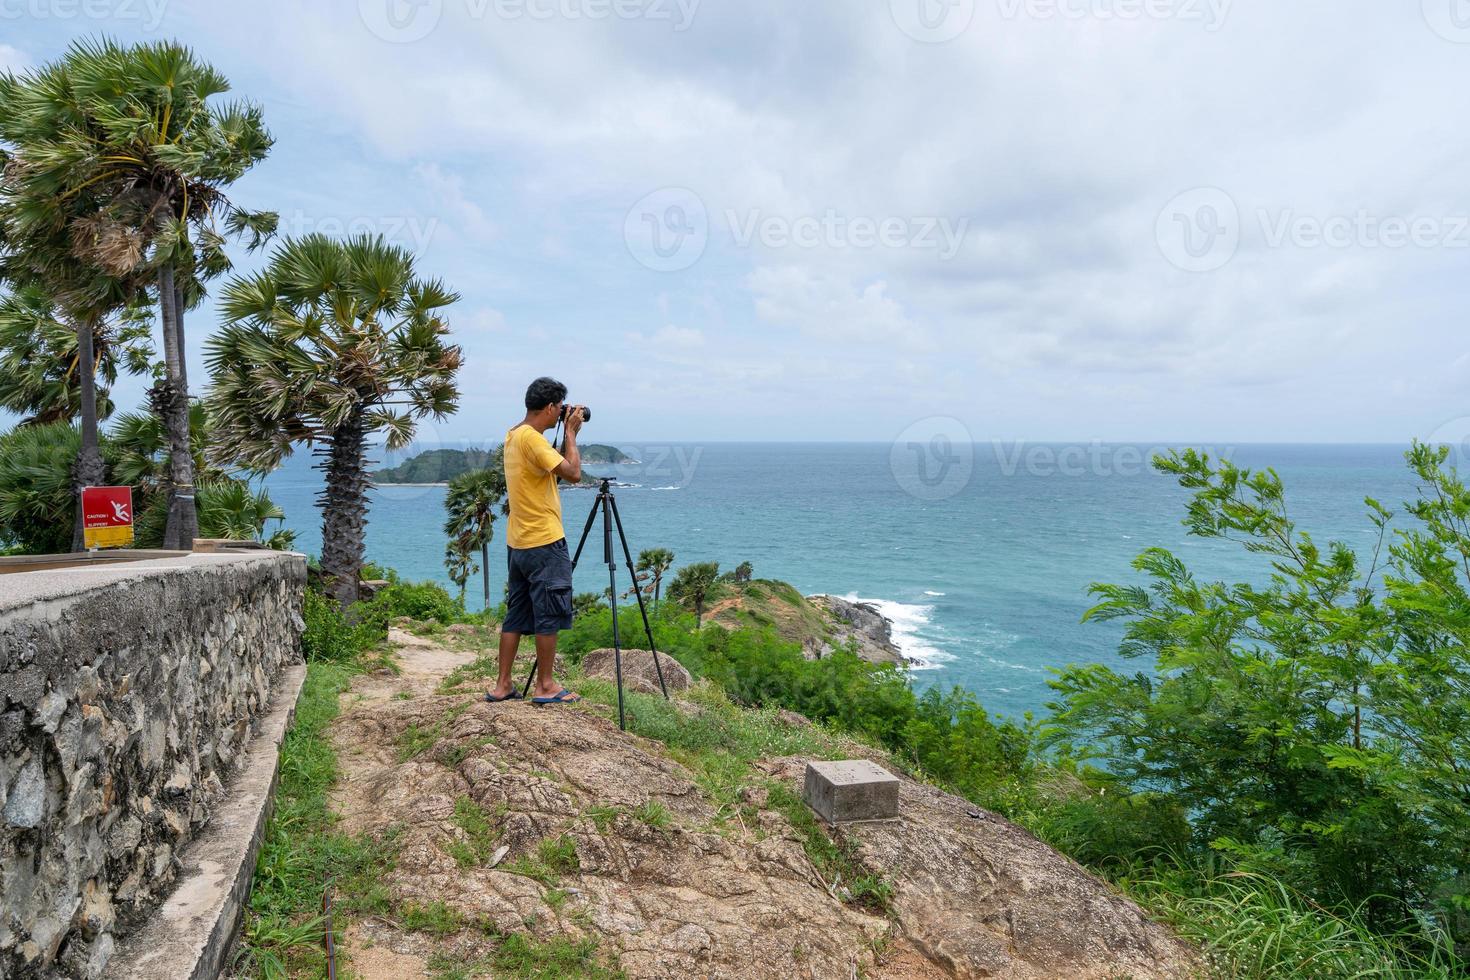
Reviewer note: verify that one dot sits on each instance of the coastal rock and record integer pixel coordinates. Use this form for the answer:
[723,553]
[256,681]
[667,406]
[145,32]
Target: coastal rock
[860,622]
[638,670]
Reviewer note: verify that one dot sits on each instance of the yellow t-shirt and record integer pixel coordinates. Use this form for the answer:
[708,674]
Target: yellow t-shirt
[535,507]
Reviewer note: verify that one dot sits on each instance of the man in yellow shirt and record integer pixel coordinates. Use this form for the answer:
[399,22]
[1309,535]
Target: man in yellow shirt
[539,589]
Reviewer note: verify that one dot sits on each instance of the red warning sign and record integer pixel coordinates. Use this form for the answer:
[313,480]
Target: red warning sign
[107,517]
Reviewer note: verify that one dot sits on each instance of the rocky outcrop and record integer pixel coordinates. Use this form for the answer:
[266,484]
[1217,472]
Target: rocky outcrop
[126,694]
[639,673]
[676,877]
[857,622]
[980,897]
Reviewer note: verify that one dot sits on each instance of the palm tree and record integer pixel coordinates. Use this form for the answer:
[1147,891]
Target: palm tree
[471,504]
[333,342]
[652,564]
[744,571]
[40,370]
[36,493]
[124,142]
[695,584]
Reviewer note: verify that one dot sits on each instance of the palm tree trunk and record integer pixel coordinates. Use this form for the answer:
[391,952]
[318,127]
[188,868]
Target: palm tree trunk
[170,399]
[88,470]
[344,509]
[485,570]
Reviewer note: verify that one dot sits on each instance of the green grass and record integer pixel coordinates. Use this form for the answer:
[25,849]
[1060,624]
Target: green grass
[302,851]
[1252,927]
[462,751]
[602,816]
[555,857]
[481,834]
[652,813]
[526,958]
[435,918]
[417,739]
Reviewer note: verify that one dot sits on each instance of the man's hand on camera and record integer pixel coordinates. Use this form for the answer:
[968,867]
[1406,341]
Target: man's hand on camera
[574,420]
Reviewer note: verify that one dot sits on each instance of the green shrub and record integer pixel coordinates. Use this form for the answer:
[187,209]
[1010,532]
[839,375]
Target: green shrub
[328,637]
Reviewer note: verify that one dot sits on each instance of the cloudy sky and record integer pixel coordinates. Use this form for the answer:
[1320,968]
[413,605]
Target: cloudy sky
[769,219]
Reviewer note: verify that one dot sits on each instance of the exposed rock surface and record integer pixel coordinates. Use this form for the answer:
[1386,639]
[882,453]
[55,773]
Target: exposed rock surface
[706,893]
[860,622]
[126,694]
[639,673]
[981,897]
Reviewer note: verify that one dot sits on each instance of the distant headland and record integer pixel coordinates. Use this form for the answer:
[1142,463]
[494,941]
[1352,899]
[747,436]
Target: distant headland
[443,465]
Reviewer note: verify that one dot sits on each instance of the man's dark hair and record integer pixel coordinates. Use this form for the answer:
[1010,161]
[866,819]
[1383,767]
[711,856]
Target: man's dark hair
[543,392]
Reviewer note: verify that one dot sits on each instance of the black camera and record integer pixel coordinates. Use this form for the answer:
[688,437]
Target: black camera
[567,410]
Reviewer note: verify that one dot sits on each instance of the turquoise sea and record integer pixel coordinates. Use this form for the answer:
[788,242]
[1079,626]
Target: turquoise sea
[980,554]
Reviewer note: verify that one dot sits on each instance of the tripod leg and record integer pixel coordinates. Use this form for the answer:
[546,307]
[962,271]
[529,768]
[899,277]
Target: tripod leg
[642,609]
[612,602]
[576,556]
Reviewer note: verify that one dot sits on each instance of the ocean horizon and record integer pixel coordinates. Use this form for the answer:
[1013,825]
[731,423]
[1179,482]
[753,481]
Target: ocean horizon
[980,554]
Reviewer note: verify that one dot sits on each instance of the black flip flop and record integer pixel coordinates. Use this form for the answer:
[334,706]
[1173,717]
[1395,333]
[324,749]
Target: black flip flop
[560,697]
[514,695]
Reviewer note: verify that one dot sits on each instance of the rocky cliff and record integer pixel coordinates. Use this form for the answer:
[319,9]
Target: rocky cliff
[859,623]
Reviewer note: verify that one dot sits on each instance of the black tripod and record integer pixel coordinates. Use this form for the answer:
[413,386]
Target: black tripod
[606,503]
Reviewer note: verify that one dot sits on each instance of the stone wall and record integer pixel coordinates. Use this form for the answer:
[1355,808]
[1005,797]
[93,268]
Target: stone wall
[126,692]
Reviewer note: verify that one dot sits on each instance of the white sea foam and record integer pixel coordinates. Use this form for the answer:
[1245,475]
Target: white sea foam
[674,487]
[929,592]
[906,621]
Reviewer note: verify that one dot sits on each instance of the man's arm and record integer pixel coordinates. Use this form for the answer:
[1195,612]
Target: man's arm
[570,468]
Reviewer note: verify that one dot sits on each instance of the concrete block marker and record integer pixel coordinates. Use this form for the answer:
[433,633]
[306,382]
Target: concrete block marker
[855,789]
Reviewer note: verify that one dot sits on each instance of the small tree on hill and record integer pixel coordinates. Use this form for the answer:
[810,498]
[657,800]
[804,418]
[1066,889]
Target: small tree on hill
[471,503]
[694,585]
[743,572]
[653,563]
